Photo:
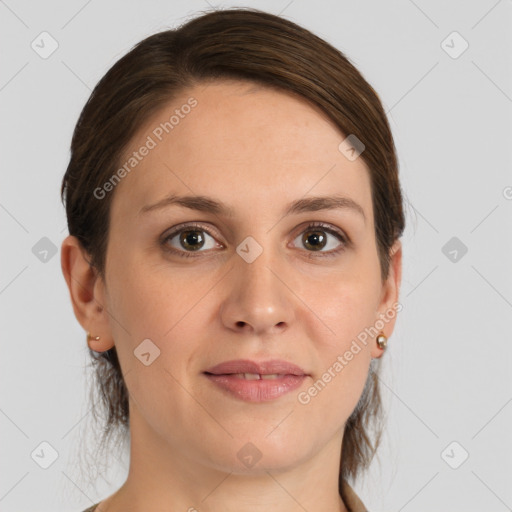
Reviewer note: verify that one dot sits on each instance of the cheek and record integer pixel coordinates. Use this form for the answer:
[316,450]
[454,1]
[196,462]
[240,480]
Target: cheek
[345,308]
[344,347]
[329,400]
[146,299]
[155,303]
[149,305]
[344,300]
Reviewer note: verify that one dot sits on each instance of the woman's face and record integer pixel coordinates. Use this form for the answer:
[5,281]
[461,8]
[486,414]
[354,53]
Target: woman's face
[248,281]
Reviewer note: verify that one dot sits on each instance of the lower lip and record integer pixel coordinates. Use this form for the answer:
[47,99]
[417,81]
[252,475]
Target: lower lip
[261,390]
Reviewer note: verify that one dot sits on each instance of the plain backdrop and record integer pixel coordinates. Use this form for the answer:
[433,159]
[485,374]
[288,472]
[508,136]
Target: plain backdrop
[443,72]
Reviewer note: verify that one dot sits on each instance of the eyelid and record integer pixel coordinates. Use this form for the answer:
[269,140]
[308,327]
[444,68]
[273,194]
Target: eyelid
[326,226]
[188,226]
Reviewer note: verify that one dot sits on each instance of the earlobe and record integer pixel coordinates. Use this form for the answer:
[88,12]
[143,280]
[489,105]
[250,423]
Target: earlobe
[86,298]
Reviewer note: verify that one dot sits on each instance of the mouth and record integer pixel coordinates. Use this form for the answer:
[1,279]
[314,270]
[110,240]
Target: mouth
[252,376]
[247,367]
[256,382]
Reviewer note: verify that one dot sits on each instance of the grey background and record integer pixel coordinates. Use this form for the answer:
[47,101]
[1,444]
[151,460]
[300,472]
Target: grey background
[447,369]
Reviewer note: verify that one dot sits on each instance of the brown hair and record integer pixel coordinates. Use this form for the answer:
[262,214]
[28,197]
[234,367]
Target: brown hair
[245,44]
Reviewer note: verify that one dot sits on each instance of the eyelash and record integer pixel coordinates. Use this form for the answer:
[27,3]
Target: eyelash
[345,242]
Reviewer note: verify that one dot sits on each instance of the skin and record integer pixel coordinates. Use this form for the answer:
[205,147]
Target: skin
[291,303]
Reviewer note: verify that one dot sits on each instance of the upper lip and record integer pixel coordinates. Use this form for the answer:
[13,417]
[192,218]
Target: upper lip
[274,366]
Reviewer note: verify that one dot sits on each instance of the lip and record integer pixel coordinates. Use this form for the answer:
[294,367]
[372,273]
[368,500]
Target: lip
[227,376]
[269,367]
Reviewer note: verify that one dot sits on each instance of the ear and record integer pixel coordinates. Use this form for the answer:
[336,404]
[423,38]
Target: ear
[87,292]
[389,305]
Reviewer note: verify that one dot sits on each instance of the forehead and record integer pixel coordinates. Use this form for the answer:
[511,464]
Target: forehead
[234,136]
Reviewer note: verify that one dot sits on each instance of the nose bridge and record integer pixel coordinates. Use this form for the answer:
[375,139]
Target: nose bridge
[256,295]
[253,269]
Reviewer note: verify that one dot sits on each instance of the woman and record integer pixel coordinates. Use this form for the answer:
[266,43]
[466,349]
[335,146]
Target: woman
[234,213]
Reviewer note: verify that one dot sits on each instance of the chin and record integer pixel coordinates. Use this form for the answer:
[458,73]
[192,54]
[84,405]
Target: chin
[243,456]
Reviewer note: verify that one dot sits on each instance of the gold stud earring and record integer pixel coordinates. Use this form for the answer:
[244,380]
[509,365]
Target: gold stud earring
[382,341]
[92,338]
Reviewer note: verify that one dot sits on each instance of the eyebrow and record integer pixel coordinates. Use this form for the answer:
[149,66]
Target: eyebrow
[209,205]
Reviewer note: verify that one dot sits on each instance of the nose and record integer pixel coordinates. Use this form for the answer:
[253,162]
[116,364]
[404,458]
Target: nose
[257,298]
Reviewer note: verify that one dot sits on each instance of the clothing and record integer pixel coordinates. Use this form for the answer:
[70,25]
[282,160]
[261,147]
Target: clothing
[350,498]
[91,509]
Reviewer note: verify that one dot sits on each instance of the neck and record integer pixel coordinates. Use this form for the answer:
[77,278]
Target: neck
[165,476]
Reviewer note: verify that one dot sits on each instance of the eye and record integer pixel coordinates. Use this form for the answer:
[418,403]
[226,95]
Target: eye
[316,237]
[188,239]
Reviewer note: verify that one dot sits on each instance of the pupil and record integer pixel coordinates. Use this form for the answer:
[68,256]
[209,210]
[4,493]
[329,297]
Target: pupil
[189,239]
[318,240]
